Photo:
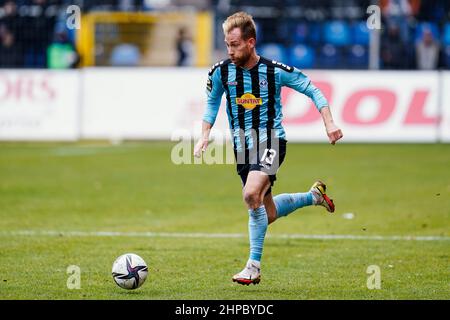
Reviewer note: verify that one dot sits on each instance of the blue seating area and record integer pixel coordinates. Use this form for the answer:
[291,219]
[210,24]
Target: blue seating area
[274,51]
[337,33]
[360,33]
[359,56]
[332,45]
[331,56]
[302,56]
[306,32]
[343,44]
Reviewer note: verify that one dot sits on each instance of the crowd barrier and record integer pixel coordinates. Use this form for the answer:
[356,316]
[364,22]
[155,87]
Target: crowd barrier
[168,103]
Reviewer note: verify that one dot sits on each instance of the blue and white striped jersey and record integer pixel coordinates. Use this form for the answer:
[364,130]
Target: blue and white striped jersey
[253,98]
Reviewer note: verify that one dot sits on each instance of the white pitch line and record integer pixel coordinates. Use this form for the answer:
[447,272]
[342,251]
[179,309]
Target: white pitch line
[53,233]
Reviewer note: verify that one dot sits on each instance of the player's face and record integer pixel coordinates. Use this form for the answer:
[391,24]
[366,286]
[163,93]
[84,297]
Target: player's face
[239,50]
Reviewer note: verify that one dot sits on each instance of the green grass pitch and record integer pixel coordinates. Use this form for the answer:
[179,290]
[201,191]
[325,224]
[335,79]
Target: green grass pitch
[392,190]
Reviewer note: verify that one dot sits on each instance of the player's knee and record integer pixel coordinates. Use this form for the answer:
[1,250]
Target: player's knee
[252,199]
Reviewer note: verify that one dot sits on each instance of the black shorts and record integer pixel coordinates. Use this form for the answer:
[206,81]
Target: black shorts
[267,158]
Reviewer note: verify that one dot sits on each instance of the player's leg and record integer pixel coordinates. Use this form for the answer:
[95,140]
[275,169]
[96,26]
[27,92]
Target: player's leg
[264,209]
[257,184]
[271,208]
[255,188]
[284,204]
[287,203]
[258,178]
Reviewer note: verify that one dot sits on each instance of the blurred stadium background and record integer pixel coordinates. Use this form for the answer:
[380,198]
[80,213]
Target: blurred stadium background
[125,59]
[137,70]
[320,34]
[323,34]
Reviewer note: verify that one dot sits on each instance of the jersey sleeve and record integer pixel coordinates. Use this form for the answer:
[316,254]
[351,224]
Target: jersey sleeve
[298,81]
[214,92]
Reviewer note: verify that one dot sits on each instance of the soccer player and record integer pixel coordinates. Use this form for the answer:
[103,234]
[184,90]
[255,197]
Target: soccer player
[252,85]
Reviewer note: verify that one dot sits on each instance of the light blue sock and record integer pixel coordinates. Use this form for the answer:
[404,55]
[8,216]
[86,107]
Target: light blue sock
[289,202]
[257,227]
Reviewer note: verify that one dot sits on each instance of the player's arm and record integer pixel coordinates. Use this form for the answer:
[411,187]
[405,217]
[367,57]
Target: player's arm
[301,83]
[202,143]
[214,92]
[333,132]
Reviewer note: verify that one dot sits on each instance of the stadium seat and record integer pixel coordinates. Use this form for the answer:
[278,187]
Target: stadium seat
[330,57]
[35,57]
[273,51]
[300,33]
[337,33]
[360,33]
[306,33]
[447,56]
[358,57]
[302,56]
[314,32]
[426,26]
[125,55]
[446,34]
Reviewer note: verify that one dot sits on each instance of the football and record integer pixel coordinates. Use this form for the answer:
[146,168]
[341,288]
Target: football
[129,271]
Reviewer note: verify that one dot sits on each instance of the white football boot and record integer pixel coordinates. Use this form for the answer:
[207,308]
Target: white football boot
[250,274]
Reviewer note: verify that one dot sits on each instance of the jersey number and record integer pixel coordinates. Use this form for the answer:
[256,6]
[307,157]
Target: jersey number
[268,156]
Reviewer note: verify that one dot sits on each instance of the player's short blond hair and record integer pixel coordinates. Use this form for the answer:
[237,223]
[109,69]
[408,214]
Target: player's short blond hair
[243,21]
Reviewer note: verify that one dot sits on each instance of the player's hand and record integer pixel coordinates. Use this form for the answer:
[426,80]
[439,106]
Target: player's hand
[334,133]
[200,147]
